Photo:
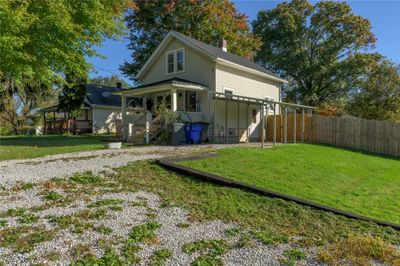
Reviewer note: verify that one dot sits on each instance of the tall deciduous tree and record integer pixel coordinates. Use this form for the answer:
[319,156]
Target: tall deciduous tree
[73,93]
[206,20]
[42,40]
[378,95]
[318,46]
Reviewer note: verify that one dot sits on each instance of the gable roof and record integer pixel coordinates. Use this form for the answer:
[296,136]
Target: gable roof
[102,95]
[96,95]
[214,53]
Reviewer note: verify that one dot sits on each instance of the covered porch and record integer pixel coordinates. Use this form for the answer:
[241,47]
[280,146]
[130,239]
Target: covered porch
[55,122]
[186,99]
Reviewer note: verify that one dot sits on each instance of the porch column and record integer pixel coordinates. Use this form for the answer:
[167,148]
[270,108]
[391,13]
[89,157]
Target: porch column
[123,118]
[148,122]
[44,123]
[174,101]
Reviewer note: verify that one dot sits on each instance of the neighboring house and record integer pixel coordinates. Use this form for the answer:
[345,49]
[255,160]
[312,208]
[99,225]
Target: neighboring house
[100,114]
[185,74]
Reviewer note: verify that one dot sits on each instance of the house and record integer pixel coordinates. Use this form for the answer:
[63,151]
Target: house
[101,113]
[204,83]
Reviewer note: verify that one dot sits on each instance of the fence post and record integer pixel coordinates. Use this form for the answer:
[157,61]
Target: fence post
[274,124]
[302,125]
[295,128]
[311,126]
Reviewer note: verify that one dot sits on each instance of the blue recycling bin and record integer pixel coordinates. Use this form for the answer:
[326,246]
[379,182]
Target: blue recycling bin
[193,133]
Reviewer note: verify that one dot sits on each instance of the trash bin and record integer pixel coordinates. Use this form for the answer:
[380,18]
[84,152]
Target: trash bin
[193,133]
[178,133]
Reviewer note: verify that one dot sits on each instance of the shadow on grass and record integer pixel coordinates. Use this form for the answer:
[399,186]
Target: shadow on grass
[378,155]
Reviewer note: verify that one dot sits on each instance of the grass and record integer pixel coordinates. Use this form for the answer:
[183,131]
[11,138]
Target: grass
[160,257]
[358,182]
[257,219]
[269,219]
[359,250]
[21,147]
[210,249]
[292,255]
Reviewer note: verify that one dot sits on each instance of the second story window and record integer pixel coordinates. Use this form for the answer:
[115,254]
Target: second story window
[175,61]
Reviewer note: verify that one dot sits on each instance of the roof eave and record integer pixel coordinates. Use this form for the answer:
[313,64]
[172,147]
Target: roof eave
[249,70]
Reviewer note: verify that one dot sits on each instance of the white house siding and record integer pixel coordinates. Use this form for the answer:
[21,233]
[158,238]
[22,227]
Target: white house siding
[246,126]
[246,84]
[198,67]
[104,120]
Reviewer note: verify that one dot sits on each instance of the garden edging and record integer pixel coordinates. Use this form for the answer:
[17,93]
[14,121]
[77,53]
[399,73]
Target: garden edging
[170,164]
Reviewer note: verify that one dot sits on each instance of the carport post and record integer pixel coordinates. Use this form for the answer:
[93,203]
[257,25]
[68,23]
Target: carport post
[274,124]
[266,123]
[213,121]
[238,121]
[262,126]
[226,121]
[247,124]
[285,132]
[294,125]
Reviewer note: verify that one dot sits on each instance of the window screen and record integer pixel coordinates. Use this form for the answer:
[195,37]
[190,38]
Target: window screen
[179,60]
[170,63]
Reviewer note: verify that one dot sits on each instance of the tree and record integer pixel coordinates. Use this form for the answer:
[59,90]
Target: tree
[17,105]
[109,81]
[73,94]
[378,94]
[318,46]
[206,20]
[40,41]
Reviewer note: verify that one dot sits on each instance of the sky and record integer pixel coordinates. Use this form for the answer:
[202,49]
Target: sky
[383,15]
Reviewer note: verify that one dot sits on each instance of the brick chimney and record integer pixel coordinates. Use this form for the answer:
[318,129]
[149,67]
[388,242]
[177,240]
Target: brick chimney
[223,44]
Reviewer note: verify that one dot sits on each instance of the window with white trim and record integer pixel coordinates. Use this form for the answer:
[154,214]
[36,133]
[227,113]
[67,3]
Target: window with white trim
[175,61]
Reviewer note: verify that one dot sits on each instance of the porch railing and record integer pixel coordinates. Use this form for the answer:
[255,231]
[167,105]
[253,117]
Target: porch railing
[60,126]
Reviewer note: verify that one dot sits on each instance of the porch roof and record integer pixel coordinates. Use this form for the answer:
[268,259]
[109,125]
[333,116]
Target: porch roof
[163,85]
[54,108]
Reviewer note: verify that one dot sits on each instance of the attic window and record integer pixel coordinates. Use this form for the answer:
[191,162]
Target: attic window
[175,61]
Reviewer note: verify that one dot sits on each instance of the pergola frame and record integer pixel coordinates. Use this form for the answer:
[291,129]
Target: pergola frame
[263,104]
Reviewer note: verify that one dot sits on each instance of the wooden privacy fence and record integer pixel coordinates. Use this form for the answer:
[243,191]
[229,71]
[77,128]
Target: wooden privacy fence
[368,135]
[302,133]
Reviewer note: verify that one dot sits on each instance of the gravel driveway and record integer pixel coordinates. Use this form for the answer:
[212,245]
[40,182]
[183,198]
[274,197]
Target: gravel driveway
[59,165]
[59,222]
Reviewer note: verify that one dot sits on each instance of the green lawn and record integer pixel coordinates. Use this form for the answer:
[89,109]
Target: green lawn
[19,147]
[361,183]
